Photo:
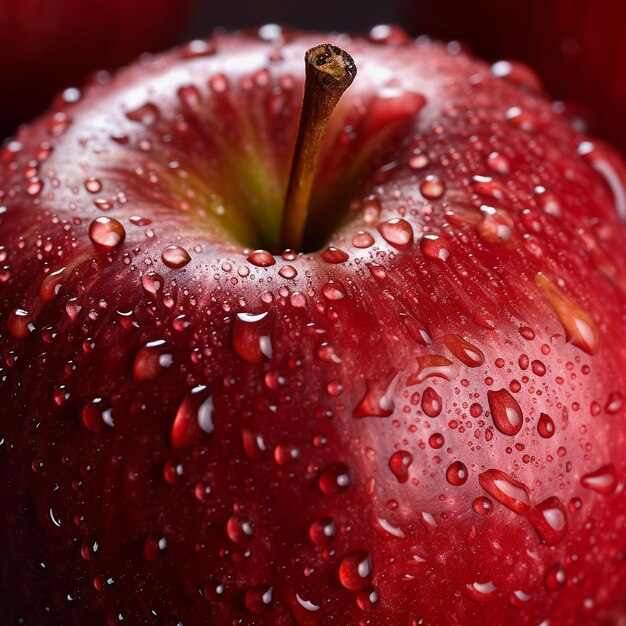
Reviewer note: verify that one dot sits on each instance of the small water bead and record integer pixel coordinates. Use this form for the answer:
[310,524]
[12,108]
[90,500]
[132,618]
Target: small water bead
[239,529]
[431,402]
[436,441]
[97,415]
[368,599]
[580,329]
[89,549]
[603,480]
[432,187]
[355,570]
[152,282]
[261,258]
[334,255]
[482,505]
[146,114]
[93,185]
[175,257]
[258,599]
[106,233]
[34,186]
[322,531]
[457,474]
[545,426]
[418,161]
[480,592]
[524,120]
[399,464]
[198,48]
[434,248]
[334,478]
[252,336]
[388,34]
[288,271]
[154,547]
[397,232]
[362,239]
[517,74]
[151,359]
[498,163]
[511,493]
[505,412]
[614,403]
[20,323]
[555,578]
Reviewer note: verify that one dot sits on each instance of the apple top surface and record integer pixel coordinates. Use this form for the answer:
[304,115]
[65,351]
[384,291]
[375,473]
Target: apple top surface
[414,415]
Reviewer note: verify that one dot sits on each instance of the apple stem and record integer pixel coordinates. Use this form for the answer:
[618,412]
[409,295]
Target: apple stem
[329,71]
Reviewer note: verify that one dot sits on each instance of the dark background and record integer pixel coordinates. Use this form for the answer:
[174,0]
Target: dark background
[348,15]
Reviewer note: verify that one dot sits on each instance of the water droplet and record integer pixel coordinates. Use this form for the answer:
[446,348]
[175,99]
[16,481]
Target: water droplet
[506,490]
[518,74]
[333,290]
[93,185]
[434,248]
[432,187]
[106,233]
[151,360]
[334,478]
[603,480]
[480,592]
[497,162]
[388,34]
[97,415]
[417,329]
[367,599]
[322,531]
[258,599]
[175,257]
[307,604]
[20,323]
[399,464]
[261,258]
[431,402]
[555,578]
[467,353]
[549,519]
[580,329]
[154,547]
[89,549]
[432,366]
[397,232]
[251,336]
[378,398]
[288,271]
[482,505]
[505,412]
[193,420]
[457,474]
[152,282]
[239,529]
[545,426]
[614,403]
[355,570]
[51,285]
[198,48]
[147,114]
[436,441]
[362,239]
[334,255]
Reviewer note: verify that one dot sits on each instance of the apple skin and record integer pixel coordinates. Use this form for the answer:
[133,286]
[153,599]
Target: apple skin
[420,422]
[577,48]
[48,46]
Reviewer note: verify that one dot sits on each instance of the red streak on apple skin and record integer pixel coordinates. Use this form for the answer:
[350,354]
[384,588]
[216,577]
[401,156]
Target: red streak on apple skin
[195,430]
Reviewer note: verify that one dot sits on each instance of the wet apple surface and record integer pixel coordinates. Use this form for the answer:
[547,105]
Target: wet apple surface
[416,418]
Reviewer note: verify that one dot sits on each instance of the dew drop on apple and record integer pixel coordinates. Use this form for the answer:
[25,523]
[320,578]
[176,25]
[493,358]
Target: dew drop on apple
[194,419]
[614,403]
[397,232]
[432,187]
[146,114]
[333,290]
[505,412]
[154,546]
[288,272]
[93,185]
[518,74]
[306,603]
[432,366]
[434,248]
[480,592]
[198,48]
[151,359]
[20,323]
[555,577]
[457,474]
[334,478]
[436,441]
[258,599]
[603,480]
[355,570]
[417,329]
[511,493]
[327,353]
[97,415]
[545,426]
[431,402]
[152,282]
[378,398]
[106,233]
[322,531]
[498,163]
[418,161]
[524,120]
[580,329]
[519,598]
[363,239]
[51,285]
[239,529]
[333,255]
[388,34]
[89,549]
[549,519]
[175,257]
[399,464]
[251,336]
[367,599]
[463,350]
[482,505]
[34,186]
[261,258]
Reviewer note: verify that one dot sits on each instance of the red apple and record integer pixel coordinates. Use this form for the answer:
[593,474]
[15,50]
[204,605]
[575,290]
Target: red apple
[578,48]
[415,418]
[50,45]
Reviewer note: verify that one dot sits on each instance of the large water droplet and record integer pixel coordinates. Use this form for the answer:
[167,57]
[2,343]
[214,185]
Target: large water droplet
[463,350]
[334,478]
[106,233]
[506,490]
[151,360]
[431,402]
[505,411]
[457,474]
[549,519]
[545,426]
[399,464]
[603,480]
[397,232]
[432,366]
[97,415]
[355,570]
[175,257]
[252,336]
[194,419]
[378,398]
[322,531]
